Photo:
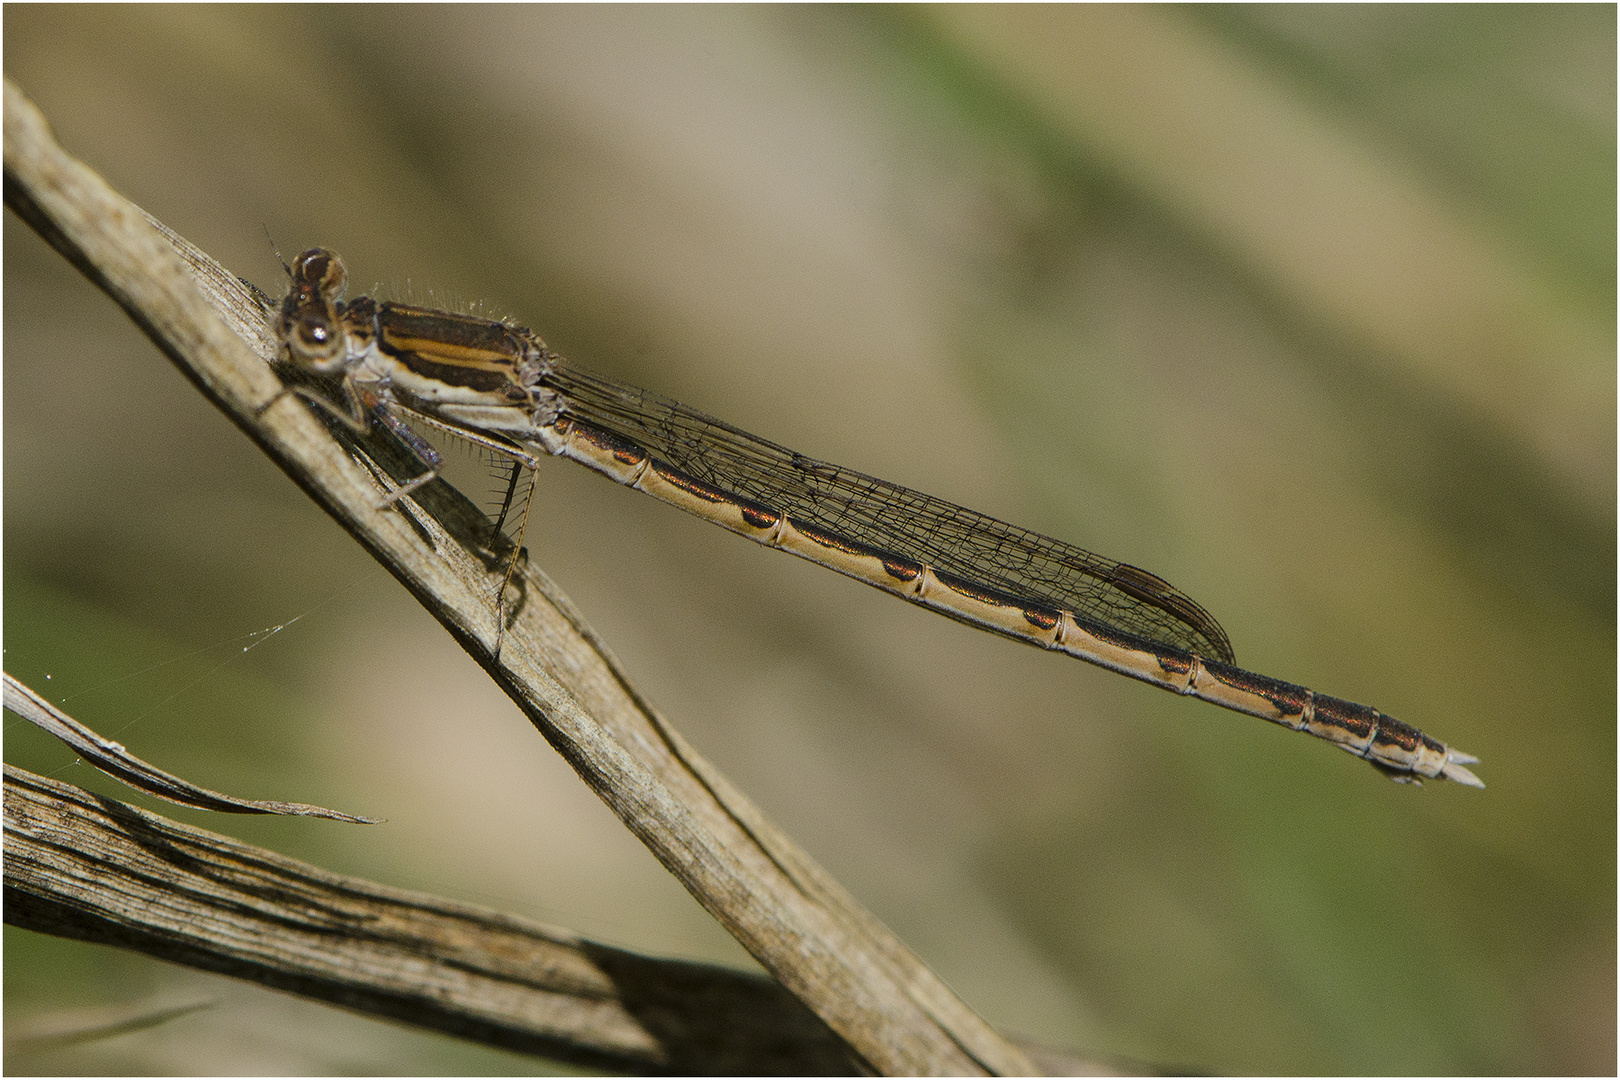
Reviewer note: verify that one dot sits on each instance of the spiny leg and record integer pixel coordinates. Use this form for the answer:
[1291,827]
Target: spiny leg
[352,414]
[359,405]
[519,552]
[506,500]
[419,447]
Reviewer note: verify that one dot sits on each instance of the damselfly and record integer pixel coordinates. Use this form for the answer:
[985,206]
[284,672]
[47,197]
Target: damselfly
[499,386]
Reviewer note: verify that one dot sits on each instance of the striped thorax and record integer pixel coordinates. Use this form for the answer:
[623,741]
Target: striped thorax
[463,371]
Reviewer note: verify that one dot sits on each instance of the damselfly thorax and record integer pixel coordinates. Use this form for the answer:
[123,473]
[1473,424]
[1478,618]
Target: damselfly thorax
[478,378]
[498,386]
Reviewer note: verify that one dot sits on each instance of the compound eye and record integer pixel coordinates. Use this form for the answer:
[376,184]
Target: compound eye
[321,270]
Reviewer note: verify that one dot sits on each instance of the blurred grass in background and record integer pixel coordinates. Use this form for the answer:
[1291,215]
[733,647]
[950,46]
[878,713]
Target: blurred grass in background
[1309,309]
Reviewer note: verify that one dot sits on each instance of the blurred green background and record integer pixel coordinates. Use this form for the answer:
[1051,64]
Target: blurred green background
[1309,310]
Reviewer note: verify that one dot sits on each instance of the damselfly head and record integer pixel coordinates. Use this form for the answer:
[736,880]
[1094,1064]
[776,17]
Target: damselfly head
[311,322]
